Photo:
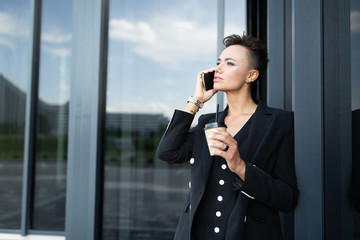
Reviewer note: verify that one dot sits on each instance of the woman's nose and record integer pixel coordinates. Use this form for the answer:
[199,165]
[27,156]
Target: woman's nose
[218,68]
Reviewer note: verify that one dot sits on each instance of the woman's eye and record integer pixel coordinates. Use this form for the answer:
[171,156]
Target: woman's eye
[230,63]
[218,63]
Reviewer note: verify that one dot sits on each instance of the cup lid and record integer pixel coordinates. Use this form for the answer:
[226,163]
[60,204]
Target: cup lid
[214,125]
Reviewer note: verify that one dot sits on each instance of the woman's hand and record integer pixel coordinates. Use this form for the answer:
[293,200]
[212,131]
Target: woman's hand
[200,93]
[227,147]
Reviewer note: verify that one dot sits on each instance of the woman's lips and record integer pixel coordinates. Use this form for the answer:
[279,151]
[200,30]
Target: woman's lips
[217,79]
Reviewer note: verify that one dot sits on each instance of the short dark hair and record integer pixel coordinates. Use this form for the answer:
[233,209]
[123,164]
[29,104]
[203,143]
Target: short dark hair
[257,50]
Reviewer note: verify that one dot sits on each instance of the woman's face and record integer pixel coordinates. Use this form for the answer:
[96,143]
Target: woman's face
[233,69]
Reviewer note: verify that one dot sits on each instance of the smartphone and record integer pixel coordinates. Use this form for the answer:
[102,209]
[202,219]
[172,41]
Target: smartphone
[208,80]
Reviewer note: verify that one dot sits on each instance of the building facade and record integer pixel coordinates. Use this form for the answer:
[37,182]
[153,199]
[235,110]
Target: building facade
[87,88]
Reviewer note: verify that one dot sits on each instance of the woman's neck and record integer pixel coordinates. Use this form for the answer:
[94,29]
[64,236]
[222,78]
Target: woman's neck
[240,104]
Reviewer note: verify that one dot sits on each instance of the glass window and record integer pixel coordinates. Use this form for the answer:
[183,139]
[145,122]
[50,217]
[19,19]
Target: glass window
[235,17]
[155,51]
[355,53]
[48,212]
[355,104]
[15,39]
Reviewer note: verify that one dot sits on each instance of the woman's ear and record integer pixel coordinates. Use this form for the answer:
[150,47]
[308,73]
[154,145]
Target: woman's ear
[252,76]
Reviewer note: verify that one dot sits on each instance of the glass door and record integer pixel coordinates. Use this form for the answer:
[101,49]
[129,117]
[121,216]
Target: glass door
[156,49]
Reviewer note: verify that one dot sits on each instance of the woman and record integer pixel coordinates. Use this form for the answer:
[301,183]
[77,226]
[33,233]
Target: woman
[237,193]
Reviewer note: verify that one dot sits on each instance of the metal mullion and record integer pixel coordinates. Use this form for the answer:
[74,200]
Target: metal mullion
[220,47]
[30,120]
[101,119]
[46,232]
[307,76]
[83,164]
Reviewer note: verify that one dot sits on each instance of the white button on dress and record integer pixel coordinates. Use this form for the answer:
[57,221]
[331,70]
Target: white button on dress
[218,214]
[223,166]
[192,160]
[219,198]
[216,229]
[221,182]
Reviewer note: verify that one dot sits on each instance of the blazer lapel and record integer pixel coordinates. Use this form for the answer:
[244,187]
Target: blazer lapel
[260,126]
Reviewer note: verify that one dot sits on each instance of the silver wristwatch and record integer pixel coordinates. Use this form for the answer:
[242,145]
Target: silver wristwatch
[195,101]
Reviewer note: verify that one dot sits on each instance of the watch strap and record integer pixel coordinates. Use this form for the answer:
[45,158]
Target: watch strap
[195,101]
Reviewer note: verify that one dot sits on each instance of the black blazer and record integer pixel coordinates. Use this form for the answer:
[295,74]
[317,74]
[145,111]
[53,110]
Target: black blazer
[270,181]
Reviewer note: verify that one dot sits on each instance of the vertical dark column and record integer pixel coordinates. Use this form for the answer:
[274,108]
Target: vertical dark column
[337,119]
[30,121]
[257,27]
[276,46]
[101,119]
[288,81]
[307,74]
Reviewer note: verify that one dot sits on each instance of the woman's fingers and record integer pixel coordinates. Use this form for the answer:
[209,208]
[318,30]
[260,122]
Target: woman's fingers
[219,145]
[200,93]
[227,148]
[223,141]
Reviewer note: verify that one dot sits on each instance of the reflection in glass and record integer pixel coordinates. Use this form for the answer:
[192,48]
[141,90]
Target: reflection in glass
[14,71]
[155,51]
[235,17]
[48,211]
[355,105]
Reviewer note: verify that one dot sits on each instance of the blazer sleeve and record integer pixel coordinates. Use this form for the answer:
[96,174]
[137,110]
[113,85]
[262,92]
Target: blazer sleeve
[176,142]
[277,190]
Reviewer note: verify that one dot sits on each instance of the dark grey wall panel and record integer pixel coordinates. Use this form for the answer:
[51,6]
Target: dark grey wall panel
[337,120]
[308,80]
[276,46]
